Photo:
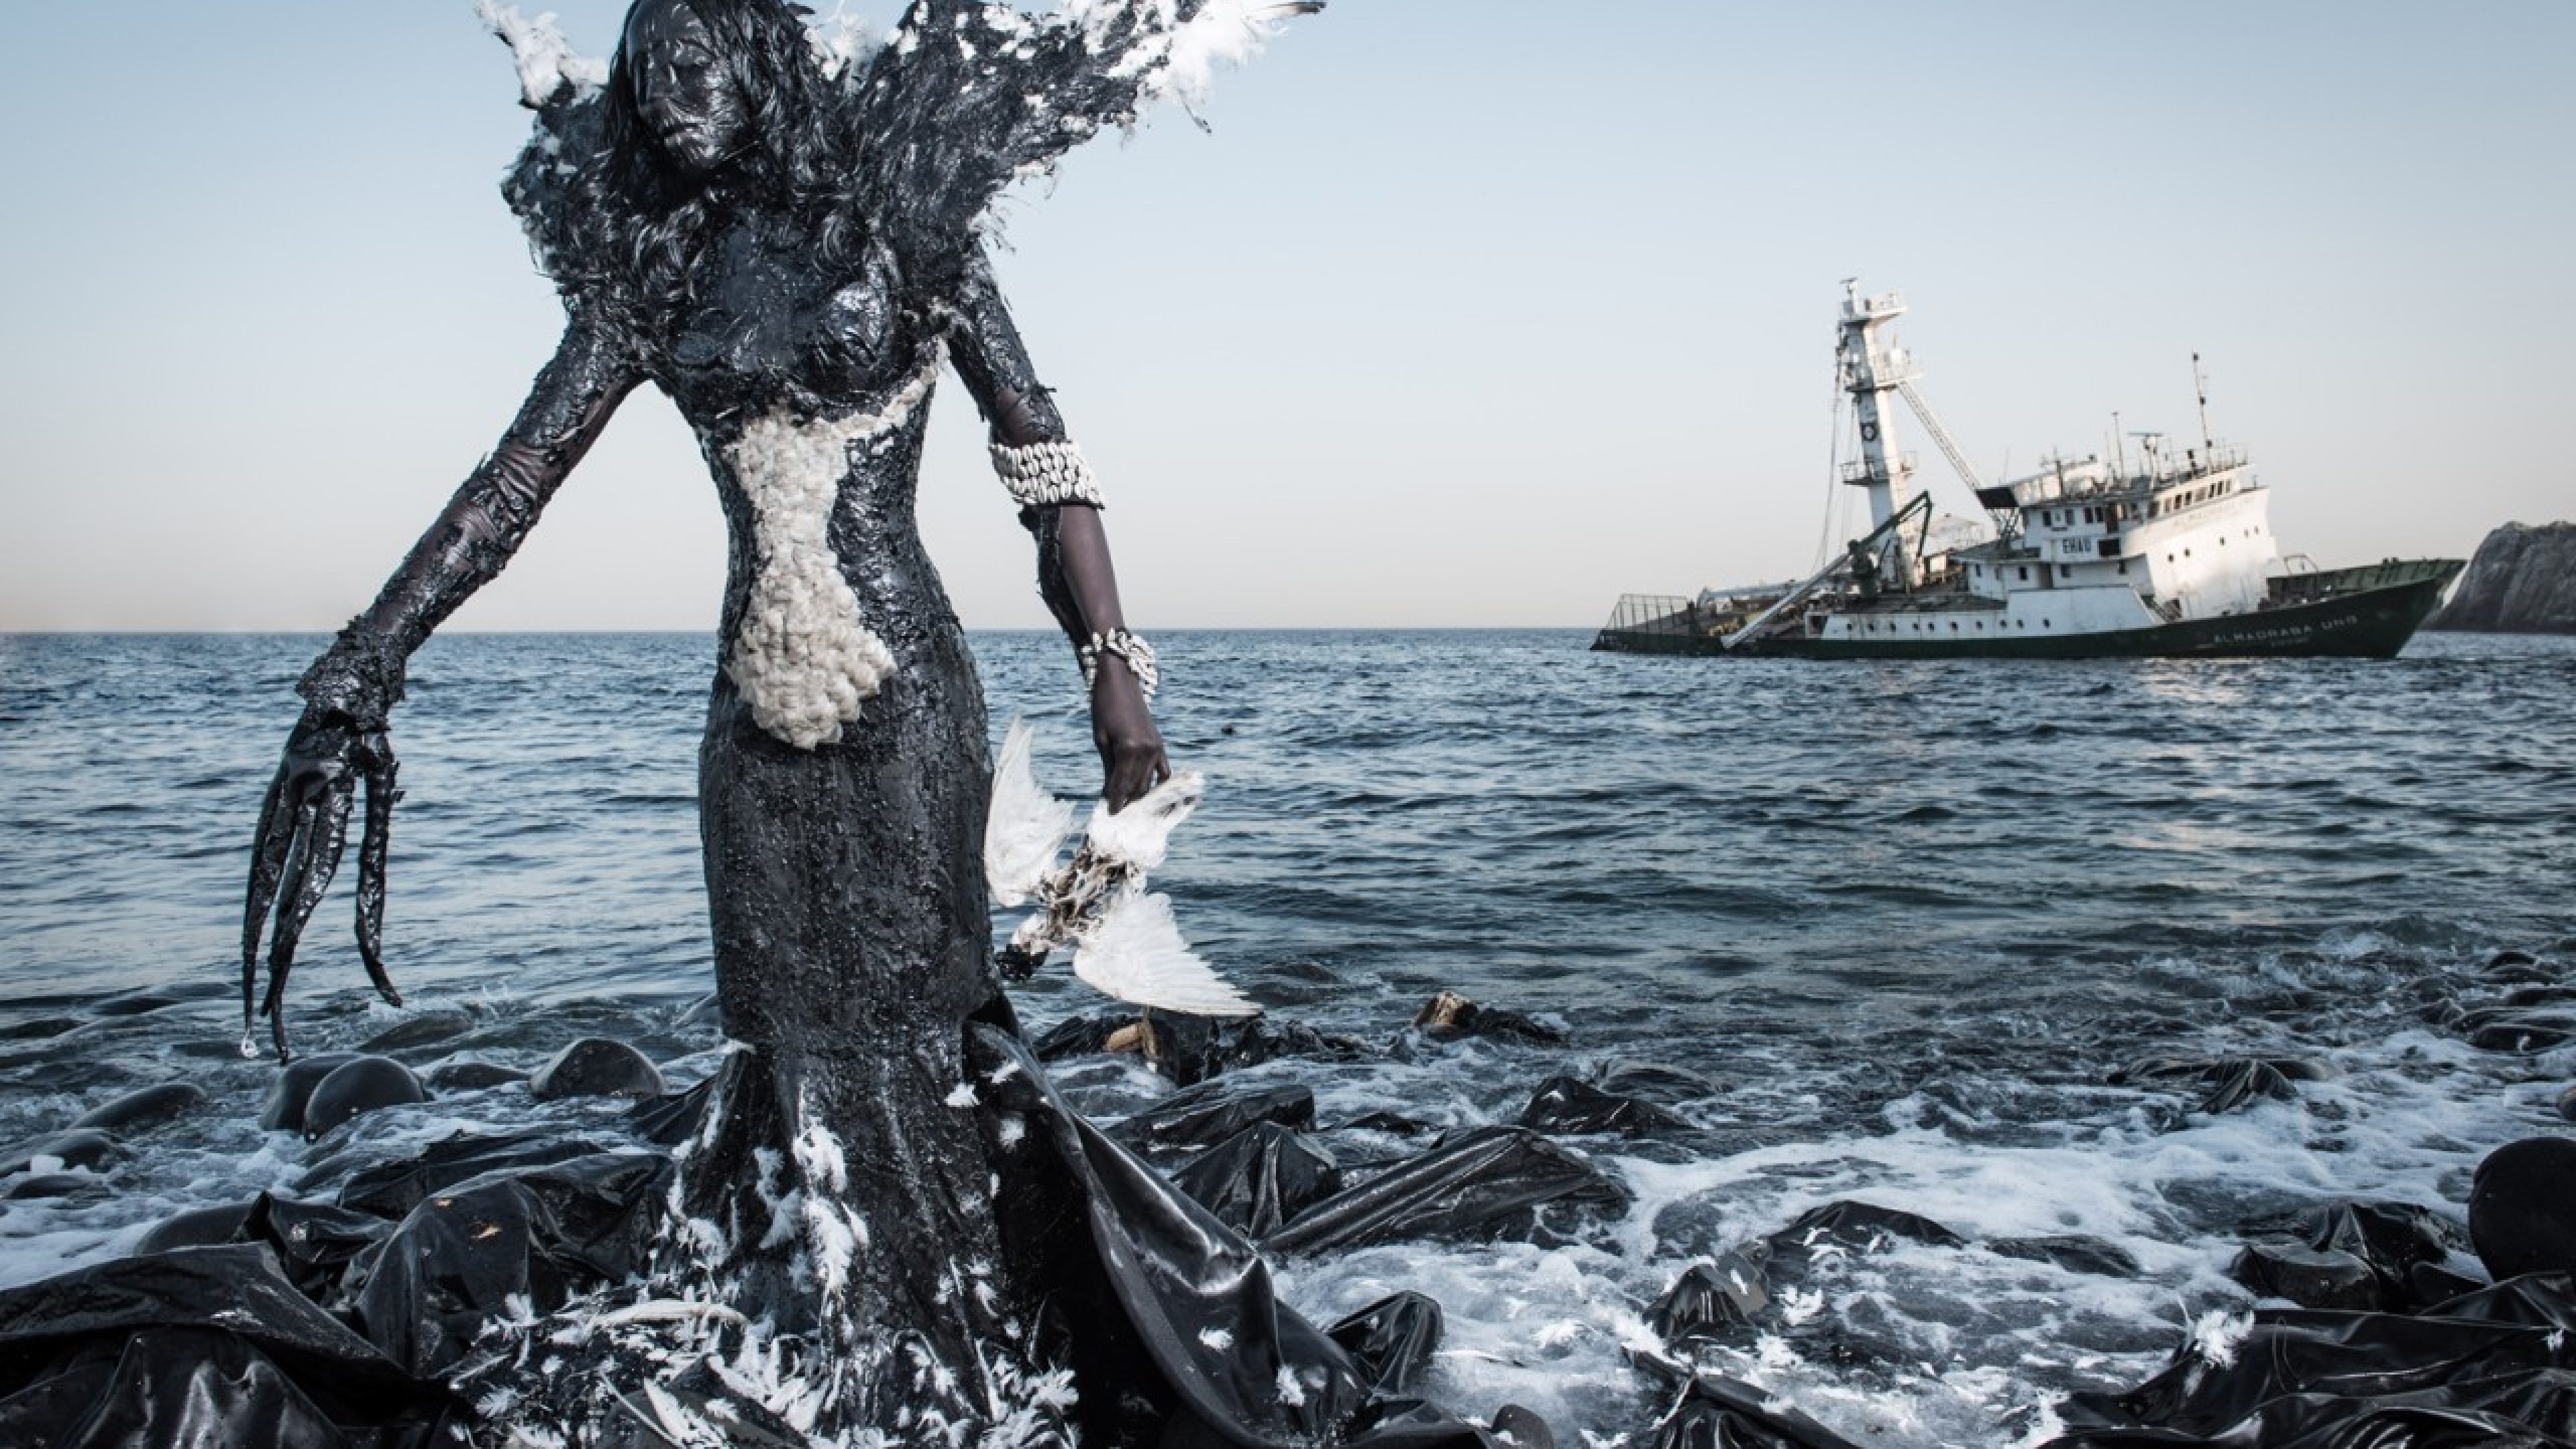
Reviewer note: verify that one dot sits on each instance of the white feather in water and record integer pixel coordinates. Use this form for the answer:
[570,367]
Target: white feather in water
[1024,827]
[1136,954]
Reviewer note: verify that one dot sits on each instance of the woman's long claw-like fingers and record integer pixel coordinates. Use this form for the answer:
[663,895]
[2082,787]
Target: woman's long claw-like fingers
[378,763]
[268,848]
[322,833]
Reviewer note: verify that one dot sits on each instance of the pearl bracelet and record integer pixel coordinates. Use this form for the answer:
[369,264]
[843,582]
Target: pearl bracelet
[1138,654]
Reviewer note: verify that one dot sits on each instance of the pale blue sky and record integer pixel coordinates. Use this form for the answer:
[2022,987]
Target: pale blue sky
[1465,313]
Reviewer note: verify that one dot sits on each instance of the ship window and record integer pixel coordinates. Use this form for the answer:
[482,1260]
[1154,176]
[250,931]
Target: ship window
[2024,571]
[2046,625]
[1954,626]
[2066,571]
[2124,566]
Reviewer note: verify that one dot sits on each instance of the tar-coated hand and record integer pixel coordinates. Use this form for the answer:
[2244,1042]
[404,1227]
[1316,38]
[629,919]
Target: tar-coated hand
[303,828]
[1131,748]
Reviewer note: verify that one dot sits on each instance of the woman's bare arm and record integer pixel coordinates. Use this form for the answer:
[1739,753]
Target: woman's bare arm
[1075,575]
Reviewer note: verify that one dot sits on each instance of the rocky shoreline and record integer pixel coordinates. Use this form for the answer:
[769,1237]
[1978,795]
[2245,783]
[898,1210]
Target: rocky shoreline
[2523,581]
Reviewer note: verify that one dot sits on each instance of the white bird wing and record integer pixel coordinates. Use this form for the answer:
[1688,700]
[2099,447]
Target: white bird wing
[1136,954]
[1024,826]
[1139,834]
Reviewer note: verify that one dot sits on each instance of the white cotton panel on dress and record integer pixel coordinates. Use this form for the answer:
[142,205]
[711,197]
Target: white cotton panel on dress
[802,656]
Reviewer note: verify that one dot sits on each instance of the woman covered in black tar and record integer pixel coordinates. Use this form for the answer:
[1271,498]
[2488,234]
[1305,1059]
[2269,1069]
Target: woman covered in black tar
[885,1228]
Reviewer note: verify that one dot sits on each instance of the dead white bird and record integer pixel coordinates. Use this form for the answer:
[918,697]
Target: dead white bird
[1126,944]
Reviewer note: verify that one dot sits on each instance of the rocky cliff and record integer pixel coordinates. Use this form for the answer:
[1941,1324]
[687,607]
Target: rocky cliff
[2523,581]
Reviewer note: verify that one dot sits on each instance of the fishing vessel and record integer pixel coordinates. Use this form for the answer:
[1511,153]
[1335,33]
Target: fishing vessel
[2148,552]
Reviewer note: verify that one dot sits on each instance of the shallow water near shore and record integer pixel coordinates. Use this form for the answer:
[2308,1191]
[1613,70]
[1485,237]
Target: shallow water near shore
[1906,919]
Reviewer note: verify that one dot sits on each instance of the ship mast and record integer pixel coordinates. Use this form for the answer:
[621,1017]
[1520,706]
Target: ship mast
[1874,369]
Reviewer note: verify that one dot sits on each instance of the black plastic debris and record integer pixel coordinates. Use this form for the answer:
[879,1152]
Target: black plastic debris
[284,1110]
[1190,1049]
[672,1120]
[1495,1182]
[1260,1178]
[2355,1255]
[1719,1413]
[143,1109]
[2494,1367]
[356,1087]
[1856,1227]
[50,1185]
[314,1242]
[1449,1016]
[1654,1081]
[1393,1340]
[597,1067]
[199,1347]
[393,1189]
[1211,1112]
[1394,1124]
[518,1239]
[2309,1277]
[417,1029]
[2522,1208]
[2232,1082]
[1150,1291]
[1566,1104]
[1712,1302]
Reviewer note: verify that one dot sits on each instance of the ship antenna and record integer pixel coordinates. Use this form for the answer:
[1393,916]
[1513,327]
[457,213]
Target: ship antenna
[2200,387]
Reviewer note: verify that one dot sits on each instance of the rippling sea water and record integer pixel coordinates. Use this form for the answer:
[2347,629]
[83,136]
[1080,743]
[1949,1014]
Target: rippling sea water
[1907,920]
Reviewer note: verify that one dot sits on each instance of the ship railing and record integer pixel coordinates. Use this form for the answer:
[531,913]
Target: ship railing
[1658,614]
[1859,471]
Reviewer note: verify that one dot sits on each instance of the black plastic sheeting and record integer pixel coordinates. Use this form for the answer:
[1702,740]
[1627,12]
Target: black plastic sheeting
[1494,1182]
[199,1347]
[1211,1112]
[2387,1257]
[1719,1413]
[1569,1104]
[1259,1179]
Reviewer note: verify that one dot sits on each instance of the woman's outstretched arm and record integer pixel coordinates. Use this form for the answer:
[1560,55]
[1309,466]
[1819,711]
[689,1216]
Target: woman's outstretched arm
[1061,507]
[349,693]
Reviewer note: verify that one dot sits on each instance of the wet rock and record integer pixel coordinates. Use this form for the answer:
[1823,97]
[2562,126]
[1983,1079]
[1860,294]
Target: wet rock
[393,1189]
[284,1110]
[1496,1182]
[1211,1112]
[196,1228]
[2309,1277]
[466,1253]
[1259,1179]
[51,1185]
[1564,1104]
[1191,1049]
[465,1074]
[2512,1030]
[141,1110]
[1393,1339]
[358,1086]
[1713,1302]
[2522,580]
[2075,1252]
[2522,1208]
[1449,1016]
[83,1148]
[419,1028]
[2567,1104]
[597,1067]
[1522,1428]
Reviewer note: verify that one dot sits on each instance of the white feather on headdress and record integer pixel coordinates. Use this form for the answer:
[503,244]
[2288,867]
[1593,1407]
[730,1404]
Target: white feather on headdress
[549,68]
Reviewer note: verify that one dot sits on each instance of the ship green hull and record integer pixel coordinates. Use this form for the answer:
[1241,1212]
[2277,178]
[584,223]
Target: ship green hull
[2361,613]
